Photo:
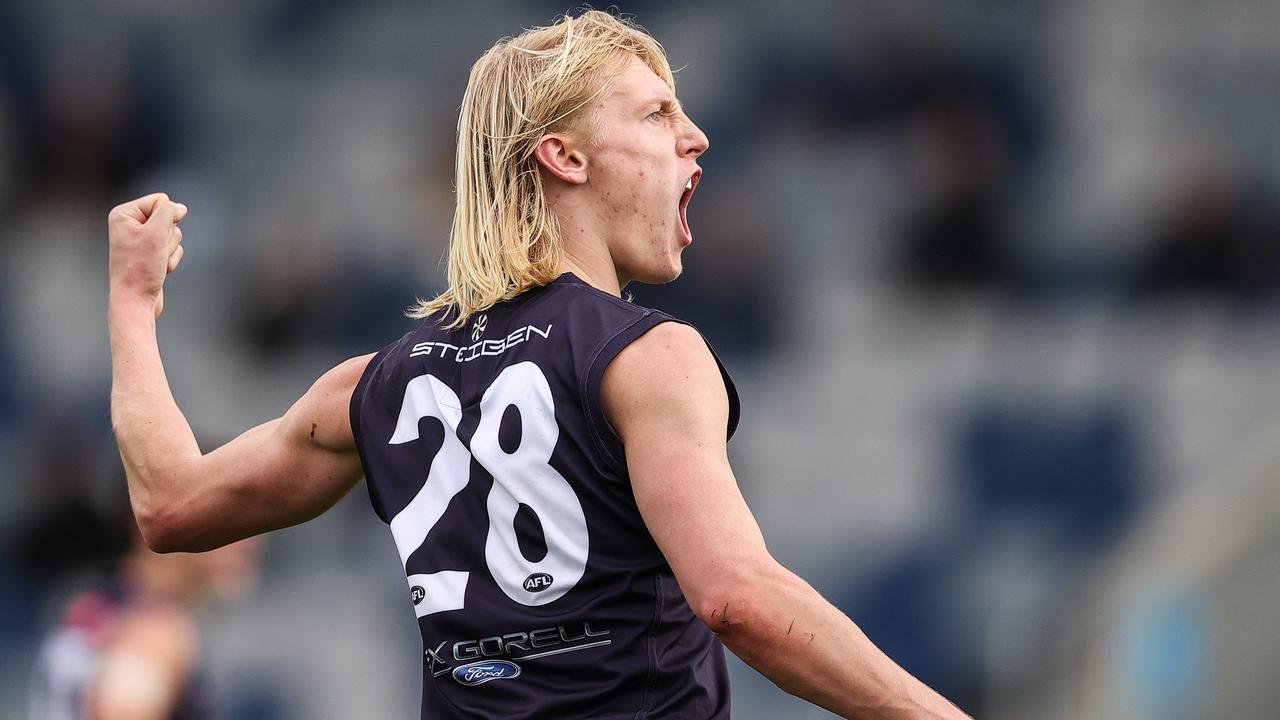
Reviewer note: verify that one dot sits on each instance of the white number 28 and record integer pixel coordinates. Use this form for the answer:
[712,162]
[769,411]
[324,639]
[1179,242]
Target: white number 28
[523,477]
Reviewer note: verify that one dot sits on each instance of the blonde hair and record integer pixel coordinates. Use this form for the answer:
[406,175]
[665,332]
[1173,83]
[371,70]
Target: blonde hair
[505,239]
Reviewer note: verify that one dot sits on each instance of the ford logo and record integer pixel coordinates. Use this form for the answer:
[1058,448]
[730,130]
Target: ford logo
[538,582]
[479,673]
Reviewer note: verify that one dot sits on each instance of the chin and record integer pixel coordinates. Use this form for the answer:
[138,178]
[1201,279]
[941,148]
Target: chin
[661,276]
[657,271]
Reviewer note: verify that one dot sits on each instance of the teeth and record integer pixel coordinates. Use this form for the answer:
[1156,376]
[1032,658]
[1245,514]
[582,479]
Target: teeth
[688,184]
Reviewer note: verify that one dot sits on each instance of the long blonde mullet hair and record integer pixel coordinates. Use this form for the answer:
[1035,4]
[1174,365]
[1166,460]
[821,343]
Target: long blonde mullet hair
[505,239]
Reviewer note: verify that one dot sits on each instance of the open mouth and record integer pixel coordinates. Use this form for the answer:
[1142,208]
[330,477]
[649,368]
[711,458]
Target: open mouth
[690,185]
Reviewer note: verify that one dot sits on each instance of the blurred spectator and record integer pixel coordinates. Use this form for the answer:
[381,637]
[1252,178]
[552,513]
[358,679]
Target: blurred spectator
[1213,237]
[104,113]
[298,299]
[957,237]
[288,287]
[971,130]
[64,528]
[130,648]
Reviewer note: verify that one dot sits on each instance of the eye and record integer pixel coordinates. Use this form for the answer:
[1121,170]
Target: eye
[655,115]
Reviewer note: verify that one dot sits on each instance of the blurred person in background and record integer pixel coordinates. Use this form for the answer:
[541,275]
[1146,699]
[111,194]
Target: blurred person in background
[617,543]
[956,238]
[1213,236]
[130,648]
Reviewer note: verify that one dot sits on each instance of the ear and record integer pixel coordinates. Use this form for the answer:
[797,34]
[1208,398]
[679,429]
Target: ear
[557,154]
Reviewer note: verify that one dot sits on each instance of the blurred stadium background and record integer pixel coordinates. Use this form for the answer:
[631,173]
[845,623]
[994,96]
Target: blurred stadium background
[998,282]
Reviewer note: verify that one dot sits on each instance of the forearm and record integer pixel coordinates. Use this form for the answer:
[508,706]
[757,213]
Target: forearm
[277,474]
[809,648]
[280,473]
[154,437]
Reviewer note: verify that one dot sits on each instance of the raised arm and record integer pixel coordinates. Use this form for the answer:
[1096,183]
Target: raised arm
[278,474]
[665,398]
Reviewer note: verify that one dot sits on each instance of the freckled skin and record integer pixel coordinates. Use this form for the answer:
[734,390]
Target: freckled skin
[644,153]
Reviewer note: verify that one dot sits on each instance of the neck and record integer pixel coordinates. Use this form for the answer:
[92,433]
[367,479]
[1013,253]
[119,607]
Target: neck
[599,275]
[583,237]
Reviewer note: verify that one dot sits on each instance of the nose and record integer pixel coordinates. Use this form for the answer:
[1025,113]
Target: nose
[693,142]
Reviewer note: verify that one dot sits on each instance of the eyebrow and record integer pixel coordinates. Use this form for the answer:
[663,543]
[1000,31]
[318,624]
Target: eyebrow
[666,101]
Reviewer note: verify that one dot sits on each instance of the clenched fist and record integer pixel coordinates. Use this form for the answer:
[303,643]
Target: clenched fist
[146,245]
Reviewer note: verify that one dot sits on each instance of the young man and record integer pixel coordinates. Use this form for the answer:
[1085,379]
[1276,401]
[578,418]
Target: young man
[550,459]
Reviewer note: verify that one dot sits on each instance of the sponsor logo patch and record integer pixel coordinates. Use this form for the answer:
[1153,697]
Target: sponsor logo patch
[538,582]
[479,673]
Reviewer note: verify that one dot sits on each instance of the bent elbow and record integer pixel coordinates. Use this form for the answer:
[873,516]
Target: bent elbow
[743,602]
[162,527]
[727,611]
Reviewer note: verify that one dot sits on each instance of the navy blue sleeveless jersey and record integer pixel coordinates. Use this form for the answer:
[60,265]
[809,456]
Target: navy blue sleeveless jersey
[538,589]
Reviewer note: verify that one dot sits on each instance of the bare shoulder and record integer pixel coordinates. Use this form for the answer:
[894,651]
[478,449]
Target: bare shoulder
[669,371]
[323,413]
[342,379]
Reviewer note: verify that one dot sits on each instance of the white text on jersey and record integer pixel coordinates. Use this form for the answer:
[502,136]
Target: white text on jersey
[468,353]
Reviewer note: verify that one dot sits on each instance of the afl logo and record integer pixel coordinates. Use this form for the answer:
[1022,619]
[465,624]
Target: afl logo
[538,582]
[478,328]
[417,593]
[479,673]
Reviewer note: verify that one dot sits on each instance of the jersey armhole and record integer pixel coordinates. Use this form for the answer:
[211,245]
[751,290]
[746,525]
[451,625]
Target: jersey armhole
[605,436]
[357,429]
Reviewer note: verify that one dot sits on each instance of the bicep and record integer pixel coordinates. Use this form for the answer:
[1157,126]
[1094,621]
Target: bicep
[698,517]
[666,398]
[282,472]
